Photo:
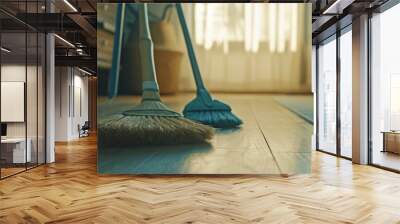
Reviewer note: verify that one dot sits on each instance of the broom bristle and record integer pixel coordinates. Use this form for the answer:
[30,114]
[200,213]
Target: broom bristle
[217,119]
[215,113]
[123,130]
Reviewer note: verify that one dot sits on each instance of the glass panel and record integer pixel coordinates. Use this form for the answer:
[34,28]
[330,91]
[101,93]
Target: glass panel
[314,78]
[346,94]
[386,89]
[23,87]
[31,98]
[327,96]
[32,88]
[13,87]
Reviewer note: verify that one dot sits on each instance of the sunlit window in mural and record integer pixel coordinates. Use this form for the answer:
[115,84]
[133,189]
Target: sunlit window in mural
[274,24]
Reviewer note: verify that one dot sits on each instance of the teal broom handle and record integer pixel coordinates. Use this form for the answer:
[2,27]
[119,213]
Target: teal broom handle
[189,46]
[146,48]
[116,54]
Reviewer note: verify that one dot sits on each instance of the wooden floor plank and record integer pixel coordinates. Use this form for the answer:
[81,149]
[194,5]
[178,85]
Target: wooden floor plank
[235,151]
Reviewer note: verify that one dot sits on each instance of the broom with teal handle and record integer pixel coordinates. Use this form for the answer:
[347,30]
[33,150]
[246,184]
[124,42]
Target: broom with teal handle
[203,108]
[151,122]
[116,53]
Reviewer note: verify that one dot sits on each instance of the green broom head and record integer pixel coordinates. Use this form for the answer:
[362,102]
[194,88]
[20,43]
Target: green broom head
[211,112]
[151,123]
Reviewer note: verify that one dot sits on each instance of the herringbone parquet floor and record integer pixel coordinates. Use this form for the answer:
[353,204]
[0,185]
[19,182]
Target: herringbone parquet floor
[70,191]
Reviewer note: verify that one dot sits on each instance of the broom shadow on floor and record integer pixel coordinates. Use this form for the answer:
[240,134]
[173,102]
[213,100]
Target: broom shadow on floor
[227,131]
[166,159]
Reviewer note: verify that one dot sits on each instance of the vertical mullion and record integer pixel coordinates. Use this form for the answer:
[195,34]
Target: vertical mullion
[69,91]
[317,96]
[369,89]
[338,81]
[26,86]
[73,92]
[37,87]
[60,76]
[45,88]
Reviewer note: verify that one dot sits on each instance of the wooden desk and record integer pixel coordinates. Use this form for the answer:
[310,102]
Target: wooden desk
[391,141]
[13,150]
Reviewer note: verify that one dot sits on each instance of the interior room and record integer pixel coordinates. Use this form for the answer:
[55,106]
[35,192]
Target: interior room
[71,100]
[27,59]
[22,100]
[319,140]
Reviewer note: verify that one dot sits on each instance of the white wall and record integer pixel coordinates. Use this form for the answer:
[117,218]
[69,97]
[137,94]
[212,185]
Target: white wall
[12,100]
[70,84]
[16,73]
[33,126]
[80,94]
[62,81]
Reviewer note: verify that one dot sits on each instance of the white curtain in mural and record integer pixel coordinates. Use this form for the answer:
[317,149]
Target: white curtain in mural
[252,47]
[219,24]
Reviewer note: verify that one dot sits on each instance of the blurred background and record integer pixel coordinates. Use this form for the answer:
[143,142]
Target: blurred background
[246,48]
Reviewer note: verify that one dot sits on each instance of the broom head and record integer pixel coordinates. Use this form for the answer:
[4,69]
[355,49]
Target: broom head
[205,110]
[151,123]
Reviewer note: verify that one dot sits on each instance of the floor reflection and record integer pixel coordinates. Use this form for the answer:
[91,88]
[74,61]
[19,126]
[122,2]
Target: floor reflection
[272,140]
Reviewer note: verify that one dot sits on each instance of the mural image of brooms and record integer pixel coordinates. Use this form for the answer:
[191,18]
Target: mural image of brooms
[152,122]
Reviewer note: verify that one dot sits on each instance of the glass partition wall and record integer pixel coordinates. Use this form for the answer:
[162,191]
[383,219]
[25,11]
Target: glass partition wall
[334,106]
[385,89]
[22,77]
[13,89]
[334,85]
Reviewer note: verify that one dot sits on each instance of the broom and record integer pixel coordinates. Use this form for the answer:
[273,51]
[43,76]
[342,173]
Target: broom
[116,53]
[151,122]
[203,108]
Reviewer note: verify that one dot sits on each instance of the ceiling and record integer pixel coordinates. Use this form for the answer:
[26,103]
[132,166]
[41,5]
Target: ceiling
[72,20]
[330,15]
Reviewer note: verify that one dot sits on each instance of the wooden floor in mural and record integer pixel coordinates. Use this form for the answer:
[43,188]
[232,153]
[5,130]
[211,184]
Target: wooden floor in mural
[272,140]
[71,191]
